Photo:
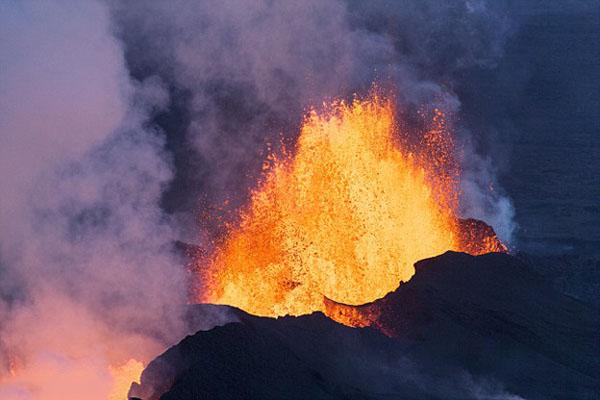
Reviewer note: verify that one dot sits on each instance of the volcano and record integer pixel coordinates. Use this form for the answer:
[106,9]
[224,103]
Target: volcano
[464,326]
[305,199]
[321,278]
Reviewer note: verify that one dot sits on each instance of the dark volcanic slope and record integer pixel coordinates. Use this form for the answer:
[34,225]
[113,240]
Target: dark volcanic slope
[495,315]
[463,327]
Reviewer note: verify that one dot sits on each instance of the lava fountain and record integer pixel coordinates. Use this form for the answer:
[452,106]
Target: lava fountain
[343,218]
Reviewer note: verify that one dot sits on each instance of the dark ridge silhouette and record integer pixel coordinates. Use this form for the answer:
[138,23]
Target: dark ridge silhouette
[463,327]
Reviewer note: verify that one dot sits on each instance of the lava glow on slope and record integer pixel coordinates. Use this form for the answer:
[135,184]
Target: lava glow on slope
[343,218]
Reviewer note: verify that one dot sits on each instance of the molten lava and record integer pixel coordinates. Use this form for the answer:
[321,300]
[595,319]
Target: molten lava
[343,219]
[123,376]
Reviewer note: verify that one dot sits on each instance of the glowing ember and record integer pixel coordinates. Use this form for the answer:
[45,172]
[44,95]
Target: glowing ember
[123,376]
[344,218]
[357,316]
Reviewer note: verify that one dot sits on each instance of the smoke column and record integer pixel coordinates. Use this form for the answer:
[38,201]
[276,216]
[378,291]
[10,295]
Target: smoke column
[87,272]
[243,73]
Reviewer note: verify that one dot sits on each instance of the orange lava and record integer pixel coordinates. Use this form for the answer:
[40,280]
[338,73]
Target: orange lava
[342,219]
[123,376]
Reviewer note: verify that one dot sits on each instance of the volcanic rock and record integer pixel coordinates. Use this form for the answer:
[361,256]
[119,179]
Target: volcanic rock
[462,327]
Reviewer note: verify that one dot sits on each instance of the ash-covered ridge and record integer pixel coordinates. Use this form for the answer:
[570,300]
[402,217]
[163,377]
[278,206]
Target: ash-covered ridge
[463,327]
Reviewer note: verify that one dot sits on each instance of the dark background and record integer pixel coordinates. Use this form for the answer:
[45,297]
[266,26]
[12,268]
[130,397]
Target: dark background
[544,100]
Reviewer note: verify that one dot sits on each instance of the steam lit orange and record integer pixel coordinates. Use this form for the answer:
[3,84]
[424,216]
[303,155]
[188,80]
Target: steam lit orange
[344,218]
[123,376]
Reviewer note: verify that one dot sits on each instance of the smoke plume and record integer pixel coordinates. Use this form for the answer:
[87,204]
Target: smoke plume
[87,271]
[244,73]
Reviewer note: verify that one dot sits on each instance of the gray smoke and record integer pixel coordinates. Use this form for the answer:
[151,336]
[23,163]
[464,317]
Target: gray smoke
[88,277]
[244,73]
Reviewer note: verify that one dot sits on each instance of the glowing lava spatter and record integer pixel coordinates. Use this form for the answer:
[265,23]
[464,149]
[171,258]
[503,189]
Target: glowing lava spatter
[343,219]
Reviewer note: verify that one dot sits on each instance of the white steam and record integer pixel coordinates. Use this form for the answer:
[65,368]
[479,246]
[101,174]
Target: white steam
[87,275]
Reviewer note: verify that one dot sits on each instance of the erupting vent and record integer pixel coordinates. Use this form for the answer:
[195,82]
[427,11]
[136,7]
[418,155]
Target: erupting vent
[344,217]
